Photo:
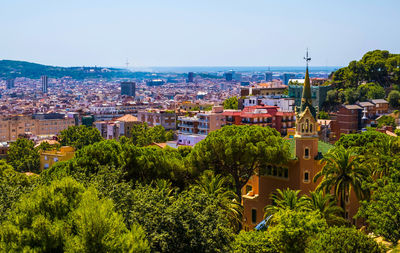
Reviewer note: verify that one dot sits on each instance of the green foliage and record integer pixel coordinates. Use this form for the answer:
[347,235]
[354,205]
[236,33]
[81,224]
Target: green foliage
[253,241]
[382,212]
[12,186]
[23,155]
[14,69]
[291,230]
[375,66]
[394,99]
[341,239]
[327,206]
[99,229]
[362,143]
[238,150]
[386,120]
[79,136]
[143,135]
[64,217]
[231,103]
[341,173]
[285,200]
[323,115]
[370,91]
[187,222]
[220,188]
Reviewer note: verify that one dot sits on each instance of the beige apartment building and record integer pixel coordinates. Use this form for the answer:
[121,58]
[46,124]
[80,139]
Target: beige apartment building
[11,127]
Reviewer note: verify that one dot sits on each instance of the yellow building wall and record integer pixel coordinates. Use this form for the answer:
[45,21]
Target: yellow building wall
[48,158]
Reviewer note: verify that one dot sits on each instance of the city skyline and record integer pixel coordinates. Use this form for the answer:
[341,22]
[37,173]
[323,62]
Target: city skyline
[181,33]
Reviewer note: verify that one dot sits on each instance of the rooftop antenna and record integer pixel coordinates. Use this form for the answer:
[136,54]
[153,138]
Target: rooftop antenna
[307,58]
[127,63]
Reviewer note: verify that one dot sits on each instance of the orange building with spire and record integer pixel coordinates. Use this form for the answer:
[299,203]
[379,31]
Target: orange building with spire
[306,154]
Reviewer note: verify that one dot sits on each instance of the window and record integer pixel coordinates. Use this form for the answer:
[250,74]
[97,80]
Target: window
[46,165]
[280,172]
[306,177]
[253,215]
[306,152]
[55,159]
[45,158]
[286,173]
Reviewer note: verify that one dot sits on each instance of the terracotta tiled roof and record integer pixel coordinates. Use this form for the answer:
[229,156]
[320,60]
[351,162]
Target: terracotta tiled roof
[127,118]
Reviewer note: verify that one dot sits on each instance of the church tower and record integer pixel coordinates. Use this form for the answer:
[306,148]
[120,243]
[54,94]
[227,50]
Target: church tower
[306,137]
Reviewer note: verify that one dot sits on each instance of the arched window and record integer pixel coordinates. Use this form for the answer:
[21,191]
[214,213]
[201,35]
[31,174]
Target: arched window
[307,125]
[306,153]
[302,128]
[306,178]
[311,129]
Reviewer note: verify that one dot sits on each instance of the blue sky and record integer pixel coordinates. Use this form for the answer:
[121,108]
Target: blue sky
[196,33]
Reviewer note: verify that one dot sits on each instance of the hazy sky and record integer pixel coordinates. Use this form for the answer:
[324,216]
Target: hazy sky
[196,33]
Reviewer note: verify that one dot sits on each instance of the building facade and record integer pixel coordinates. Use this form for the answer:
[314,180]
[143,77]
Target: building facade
[12,127]
[128,89]
[45,83]
[50,157]
[155,117]
[297,174]
[262,115]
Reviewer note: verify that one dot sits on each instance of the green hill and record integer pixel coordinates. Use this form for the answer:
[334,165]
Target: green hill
[12,69]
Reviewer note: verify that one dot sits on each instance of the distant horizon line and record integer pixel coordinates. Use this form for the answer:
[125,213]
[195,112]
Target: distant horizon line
[178,66]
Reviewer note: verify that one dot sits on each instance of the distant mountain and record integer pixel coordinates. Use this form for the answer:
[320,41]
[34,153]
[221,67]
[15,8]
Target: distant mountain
[12,69]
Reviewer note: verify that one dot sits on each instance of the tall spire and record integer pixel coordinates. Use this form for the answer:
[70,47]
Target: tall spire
[306,89]
[306,100]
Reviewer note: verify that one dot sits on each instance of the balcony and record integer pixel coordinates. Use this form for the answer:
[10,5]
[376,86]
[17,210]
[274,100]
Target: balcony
[205,127]
[204,120]
[185,125]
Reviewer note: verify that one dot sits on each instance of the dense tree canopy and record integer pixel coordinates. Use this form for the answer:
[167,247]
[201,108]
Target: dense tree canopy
[187,222]
[382,212]
[23,155]
[12,185]
[386,120]
[394,99]
[343,173]
[64,217]
[378,66]
[143,135]
[231,103]
[291,230]
[238,150]
[253,241]
[343,240]
[79,136]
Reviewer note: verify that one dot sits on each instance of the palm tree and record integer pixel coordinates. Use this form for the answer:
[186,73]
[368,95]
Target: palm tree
[384,156]
[341,173]
[285,200]
[327,206]
[218,187]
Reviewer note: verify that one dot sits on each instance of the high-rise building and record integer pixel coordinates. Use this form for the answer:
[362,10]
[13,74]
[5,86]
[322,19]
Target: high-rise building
[268,76]
[286,77]
[128,88]
[45,83]
[229,76]
[190,77]
[10,84]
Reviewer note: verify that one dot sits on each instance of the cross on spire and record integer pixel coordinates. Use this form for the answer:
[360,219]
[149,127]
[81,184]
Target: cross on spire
[307,58]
